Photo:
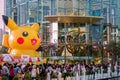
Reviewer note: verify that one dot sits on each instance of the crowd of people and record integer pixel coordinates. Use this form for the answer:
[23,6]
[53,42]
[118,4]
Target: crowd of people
[49,71]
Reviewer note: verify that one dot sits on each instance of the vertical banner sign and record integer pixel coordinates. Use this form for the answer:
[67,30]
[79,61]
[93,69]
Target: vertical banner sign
[54,33]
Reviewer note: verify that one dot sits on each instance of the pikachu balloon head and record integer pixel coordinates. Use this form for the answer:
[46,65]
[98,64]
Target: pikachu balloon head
[22,37]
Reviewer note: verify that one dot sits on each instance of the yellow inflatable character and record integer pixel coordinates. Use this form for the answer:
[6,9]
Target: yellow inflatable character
[23,40]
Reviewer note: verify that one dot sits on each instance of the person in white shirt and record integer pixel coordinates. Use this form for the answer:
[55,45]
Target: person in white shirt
[34,72]
[109,69]
[101,69]
[23,66]
[115,68]
[5,70]
[78,69]
[83,72]
[48,75]
[59,77]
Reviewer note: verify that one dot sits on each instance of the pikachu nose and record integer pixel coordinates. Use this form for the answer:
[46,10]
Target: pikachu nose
[20,40]
[33,41]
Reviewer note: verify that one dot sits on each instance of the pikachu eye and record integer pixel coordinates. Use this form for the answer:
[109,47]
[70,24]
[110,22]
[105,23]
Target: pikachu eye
[25,34]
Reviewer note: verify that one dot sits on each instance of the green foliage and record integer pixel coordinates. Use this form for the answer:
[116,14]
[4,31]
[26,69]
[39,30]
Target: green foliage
[63,74]
[89,72]
[16,78]
[4,78]
[105,71]
[113,47]
[67,74]
[37,77]
[54,75]
[27,76]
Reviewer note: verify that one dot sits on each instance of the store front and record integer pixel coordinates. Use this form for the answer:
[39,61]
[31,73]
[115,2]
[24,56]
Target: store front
[72,36]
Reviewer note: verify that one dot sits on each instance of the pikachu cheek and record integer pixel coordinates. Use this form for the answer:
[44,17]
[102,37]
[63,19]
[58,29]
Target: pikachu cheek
[20,40]
[33,41]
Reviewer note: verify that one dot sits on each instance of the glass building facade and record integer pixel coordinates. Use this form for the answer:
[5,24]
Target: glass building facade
[26,12]
[30,11]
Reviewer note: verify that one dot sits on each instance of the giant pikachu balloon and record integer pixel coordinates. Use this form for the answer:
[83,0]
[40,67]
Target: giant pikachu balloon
[23,40]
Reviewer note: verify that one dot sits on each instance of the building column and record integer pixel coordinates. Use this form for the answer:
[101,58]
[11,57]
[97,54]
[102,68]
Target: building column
[108,25]
[87,33]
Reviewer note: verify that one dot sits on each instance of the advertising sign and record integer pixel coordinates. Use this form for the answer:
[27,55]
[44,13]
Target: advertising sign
[54,33]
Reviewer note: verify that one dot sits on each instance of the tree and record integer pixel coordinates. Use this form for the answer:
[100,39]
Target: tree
[113,48]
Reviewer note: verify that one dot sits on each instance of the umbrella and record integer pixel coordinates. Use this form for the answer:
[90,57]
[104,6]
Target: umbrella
[7,58]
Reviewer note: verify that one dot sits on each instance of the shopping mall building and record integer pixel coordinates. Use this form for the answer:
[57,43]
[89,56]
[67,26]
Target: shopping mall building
[69,27]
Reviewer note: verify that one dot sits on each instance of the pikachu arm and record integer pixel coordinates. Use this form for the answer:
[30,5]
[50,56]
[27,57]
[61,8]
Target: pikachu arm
[9,50]
[5,40]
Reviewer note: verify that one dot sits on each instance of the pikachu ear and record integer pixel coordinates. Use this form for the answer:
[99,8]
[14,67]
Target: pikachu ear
[36,26]
[9,22]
